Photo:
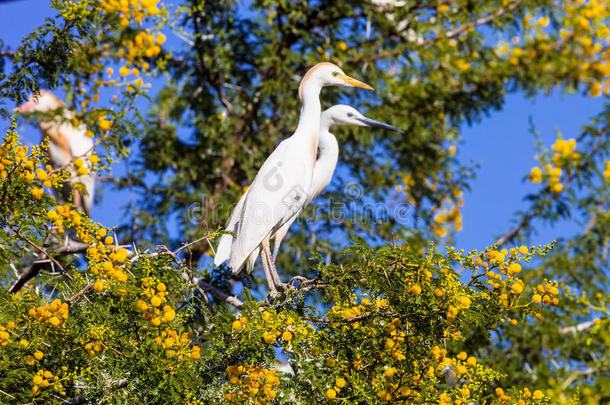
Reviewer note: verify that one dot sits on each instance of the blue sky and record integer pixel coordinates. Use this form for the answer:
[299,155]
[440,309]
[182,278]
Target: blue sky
[501,144]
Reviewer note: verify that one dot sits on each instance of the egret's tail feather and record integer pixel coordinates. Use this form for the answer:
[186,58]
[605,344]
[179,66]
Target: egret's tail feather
[248,263]
[223,251]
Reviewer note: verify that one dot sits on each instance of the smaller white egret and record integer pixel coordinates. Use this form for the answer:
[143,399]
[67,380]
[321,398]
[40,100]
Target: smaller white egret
[328,155]
[66,142]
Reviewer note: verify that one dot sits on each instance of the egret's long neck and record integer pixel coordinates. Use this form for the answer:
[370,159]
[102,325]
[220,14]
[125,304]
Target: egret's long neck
[308,129]
[325,122]
[309,121]
[327,161]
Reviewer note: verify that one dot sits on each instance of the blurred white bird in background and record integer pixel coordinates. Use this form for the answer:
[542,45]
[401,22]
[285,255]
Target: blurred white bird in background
[66,143]
[279,190]
[324,168]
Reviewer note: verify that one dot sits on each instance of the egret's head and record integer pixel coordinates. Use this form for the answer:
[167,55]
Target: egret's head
[328,74]
[42,101]
[345,115]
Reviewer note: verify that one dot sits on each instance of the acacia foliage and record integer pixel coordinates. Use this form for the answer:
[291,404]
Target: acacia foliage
[137,325]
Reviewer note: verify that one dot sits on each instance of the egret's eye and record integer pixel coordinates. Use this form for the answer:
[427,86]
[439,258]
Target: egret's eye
[350,115]
[335,74]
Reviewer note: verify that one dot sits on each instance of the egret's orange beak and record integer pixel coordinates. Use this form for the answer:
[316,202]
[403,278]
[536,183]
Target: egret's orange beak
[25,107]
[350,81]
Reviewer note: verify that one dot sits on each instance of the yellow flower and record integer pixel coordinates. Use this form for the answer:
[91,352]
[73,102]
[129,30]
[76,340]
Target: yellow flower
[556,187]
[340,382]
[104,124]
[415,290]
[514,268]
[342,46]
[42,175]
[169,314]
[543,21]
[464,302]
[517,287]
[331,394]
[538,395]
[390,371]
[472,361]
[37,192]
[536,299]
[82,171]
[462,356]
[38,354]
[79,162]
[536,175]
[124,71]
[155,301]
[237,325]
[287,336]
[523,250]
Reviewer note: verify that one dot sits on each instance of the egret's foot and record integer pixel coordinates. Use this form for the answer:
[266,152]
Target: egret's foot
[300,281]
[282,286]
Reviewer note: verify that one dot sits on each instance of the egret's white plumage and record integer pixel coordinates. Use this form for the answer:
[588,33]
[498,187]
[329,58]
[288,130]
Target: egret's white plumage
[322,174]
[279,190]
[66,142]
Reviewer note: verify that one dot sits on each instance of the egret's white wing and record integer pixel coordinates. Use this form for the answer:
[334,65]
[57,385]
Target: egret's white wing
[277,193]
[223,251]
[322,175]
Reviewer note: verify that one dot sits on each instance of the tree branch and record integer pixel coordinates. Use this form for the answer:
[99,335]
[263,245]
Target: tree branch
[71,247]
[219,295]
[449,34]
[576,328]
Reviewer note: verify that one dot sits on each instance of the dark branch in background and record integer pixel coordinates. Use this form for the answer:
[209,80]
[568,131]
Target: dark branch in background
[71,247]
[449,34]
[7,54]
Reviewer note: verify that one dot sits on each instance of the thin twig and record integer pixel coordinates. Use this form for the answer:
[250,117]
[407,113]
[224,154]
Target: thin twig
[219,295]
[81,292]
[7,394]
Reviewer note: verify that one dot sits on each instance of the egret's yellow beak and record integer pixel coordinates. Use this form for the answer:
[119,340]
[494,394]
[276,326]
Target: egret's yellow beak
[350,81]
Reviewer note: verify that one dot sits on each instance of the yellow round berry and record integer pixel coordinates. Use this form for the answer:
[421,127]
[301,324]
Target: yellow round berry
[155,301]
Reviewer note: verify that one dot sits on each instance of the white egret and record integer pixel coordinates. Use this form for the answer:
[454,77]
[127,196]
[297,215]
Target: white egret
[279,189]
[324,168]
[66,142]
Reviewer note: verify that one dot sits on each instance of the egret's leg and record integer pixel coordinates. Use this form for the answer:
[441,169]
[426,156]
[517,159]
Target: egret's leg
[279,236]
[272,269]
[266,259]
